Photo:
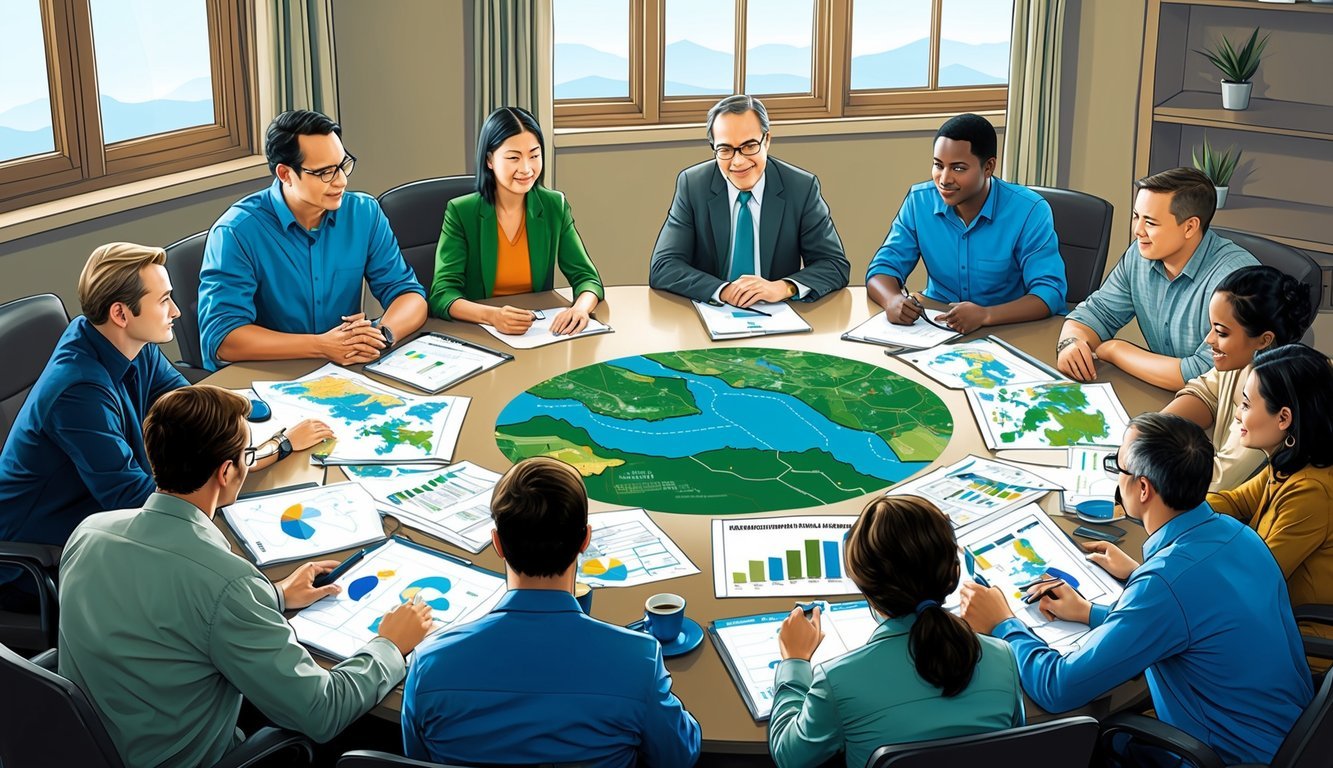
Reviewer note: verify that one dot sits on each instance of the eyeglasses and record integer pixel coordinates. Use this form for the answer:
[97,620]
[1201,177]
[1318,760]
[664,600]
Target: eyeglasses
[248,457]
[327,175]
[748,149]
[1111,463]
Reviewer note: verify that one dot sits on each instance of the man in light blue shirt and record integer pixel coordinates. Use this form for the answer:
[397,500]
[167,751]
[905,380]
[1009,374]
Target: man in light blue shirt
[283,267]
[537,680]
[1206,616]
[990,246]
[1165,279]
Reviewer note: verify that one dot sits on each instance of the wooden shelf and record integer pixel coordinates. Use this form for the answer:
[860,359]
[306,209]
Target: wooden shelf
[1300,7]
[1297,224]
[1279,118]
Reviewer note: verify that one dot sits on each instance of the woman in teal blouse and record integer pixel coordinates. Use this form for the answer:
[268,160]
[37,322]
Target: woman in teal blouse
[922,675]
[507,237]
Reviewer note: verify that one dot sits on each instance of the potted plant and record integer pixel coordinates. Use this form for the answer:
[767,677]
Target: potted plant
[1217,166]
[1237,67]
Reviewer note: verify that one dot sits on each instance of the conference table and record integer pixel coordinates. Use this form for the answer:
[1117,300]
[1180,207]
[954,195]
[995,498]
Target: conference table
[647,321]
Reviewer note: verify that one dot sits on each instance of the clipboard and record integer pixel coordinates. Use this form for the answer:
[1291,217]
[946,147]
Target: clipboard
[390,366]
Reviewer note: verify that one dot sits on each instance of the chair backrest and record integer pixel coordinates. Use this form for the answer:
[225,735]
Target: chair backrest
[1083,227]
[46,719]
[30,328]
[368,758]
[1283,258]
[1071,738]
[416,214]
[184,260]
[1310,741]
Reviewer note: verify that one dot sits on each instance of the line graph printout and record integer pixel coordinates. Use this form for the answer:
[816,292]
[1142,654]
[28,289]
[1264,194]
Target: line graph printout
[298,524]
[781,556]
[629,549]
[976,488]
[390,575]
[453,503]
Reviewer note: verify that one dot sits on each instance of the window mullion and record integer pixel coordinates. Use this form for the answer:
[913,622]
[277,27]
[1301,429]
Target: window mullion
[84,86]
[936,21]
[738,68]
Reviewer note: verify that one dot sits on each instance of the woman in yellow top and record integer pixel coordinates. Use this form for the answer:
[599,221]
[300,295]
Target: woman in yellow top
[1286,411]
[1252,309]
[507,237]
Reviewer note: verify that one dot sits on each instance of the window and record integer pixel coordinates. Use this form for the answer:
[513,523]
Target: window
[652,62]
[103,92]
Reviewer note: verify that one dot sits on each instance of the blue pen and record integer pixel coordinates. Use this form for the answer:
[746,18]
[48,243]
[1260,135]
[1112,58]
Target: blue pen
[809,608]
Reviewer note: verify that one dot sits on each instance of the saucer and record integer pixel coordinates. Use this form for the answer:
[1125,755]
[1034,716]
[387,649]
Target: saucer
[690,636]
[1097,511]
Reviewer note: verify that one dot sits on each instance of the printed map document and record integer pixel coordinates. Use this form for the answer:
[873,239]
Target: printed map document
[724,321]
[299,524]
[539,333]
[1048,414]
[982,363]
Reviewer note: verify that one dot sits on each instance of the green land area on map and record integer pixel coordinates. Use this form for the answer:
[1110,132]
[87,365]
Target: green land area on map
[1059,412]
[619,393]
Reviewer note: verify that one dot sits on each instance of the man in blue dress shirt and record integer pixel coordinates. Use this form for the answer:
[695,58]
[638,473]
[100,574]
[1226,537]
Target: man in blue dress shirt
[283,267]
[1165,279]
[1206,614]
[990,246]
[537,680]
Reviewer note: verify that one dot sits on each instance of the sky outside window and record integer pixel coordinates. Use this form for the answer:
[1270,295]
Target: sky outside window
[778,37]
[25,101]
[591,49]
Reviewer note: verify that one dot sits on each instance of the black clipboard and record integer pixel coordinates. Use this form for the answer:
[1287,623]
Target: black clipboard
[504,357]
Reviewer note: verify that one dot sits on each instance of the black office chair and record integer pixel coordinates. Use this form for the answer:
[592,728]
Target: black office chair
[1308,745]
[184,260]
[416,214]
[1285,259]
[1069,741]
[47,720]
[1083,227]
[369,758]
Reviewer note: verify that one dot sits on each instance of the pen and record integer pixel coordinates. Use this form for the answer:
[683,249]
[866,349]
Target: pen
[470,345]
[809,608]
[537,314]
[323,580]
[1035,596]
[907,295]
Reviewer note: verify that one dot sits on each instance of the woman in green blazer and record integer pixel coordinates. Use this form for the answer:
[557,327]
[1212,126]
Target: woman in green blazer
[485,234]
[922,675]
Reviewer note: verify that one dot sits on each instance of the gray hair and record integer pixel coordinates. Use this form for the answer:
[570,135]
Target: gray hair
[1174,455]
[737,105]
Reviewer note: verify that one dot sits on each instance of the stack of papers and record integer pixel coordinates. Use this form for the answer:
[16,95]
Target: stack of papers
[724,321]
[434,362]
[539,333]
[452,504]
[918,335]
[296,525]
[974,489]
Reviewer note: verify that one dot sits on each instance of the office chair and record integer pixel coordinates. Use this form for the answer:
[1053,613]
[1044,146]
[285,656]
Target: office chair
[1071,738]
[1285,259]
[369,758]
[47,720]
[416,215]
[1083,227]
[184,260]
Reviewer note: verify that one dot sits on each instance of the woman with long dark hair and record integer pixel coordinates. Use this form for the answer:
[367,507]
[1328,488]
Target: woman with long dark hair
[923,674]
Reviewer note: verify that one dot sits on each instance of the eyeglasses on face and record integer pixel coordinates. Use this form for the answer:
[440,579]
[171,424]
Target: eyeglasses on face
[248,457]
[1111,463]
[749,148]
[328,174]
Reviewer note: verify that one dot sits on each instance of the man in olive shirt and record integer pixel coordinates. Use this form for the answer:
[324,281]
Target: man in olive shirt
[165,629]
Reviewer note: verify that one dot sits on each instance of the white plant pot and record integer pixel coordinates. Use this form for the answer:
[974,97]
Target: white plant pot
[1221,196]
[1236,95]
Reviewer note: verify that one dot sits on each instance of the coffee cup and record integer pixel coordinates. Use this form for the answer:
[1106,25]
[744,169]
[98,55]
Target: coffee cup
[664,615]
[583,594]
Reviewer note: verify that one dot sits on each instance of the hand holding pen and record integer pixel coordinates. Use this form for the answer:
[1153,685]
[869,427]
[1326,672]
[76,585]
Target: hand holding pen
[1056,599]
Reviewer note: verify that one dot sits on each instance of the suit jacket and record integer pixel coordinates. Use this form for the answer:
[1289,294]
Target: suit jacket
[691,255]
[465,258]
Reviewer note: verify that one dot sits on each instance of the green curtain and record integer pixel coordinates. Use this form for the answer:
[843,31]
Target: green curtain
[514,45]
[1032,126]
[304,66]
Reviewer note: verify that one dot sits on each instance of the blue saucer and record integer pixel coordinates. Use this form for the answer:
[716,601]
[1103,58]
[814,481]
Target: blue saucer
[691,634]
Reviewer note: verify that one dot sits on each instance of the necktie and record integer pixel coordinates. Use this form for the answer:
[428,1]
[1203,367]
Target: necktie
[742,240]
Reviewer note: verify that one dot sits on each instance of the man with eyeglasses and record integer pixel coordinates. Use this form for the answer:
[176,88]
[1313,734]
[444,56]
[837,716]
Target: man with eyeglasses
[744,227]
[283,267]
[1206,615]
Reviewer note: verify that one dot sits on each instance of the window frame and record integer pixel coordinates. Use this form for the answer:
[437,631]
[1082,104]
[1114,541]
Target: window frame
[831,96]
[82,161]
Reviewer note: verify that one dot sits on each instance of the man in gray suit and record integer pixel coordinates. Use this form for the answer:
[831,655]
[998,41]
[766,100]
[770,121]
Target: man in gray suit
[740,227]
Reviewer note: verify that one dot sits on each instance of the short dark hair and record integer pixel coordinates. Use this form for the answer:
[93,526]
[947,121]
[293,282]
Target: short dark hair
[1174,455]
[540,509]
[1265,299]
[1299,378]
[973,129]
[191,431]
[1192,193]
[500,125]
[736,105]
[282,143]
[900,552]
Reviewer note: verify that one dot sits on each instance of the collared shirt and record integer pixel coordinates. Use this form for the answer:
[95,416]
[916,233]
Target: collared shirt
[1007,251]
[1207,616]
[873,696]
[756,205]
[1173,314]
[261,267]
[1220,391]
[77,445]
[165,630]
[537,681]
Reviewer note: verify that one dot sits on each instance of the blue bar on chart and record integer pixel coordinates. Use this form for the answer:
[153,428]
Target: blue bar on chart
[775,569]
[832,562]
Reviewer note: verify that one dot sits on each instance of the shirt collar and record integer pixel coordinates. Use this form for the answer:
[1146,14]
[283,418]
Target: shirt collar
[115,363]
[1202,252]
[174,506]
[1176,528]
[893,626]
[757,191]
[285,216]
[538,601]
[987,208]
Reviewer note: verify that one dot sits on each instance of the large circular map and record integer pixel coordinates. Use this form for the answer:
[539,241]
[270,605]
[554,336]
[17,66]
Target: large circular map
[729,431]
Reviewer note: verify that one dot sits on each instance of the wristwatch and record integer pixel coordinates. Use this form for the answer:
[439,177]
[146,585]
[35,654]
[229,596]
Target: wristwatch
[1065,342]
[284,445]
[387,332]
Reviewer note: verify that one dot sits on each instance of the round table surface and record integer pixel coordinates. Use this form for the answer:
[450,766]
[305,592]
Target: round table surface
[646,321]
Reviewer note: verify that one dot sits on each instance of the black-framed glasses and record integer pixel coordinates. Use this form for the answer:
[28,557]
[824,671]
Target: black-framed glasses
[1111,463]
[248,457]
[748,149]
[327,175]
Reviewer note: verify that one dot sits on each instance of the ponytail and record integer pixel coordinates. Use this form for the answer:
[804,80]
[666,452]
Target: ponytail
[944,649]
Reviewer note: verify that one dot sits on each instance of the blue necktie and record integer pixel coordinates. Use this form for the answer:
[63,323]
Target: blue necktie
[742,240]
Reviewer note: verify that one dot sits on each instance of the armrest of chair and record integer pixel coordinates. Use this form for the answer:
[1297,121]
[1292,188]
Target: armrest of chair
[1319,614]
[265,743]
[1153,732]
[369,758]
[43,555]
[47,660]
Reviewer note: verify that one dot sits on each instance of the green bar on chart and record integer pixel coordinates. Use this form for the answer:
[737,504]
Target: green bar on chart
[737,578]
[812,569]
[756,570]
[793,563]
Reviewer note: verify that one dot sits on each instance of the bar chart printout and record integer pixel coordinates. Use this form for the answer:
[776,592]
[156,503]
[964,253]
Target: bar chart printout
[781,556]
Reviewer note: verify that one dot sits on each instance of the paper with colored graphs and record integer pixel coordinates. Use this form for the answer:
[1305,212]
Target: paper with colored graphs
[434,362]
[539,333]
[299,524]
[453,504]
[724,321]
[781,556]
[628,549]
[976,488]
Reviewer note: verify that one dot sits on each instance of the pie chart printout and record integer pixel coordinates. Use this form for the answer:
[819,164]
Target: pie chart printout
[294,521]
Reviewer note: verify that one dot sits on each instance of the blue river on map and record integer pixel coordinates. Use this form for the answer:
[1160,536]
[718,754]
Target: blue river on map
[731,418]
